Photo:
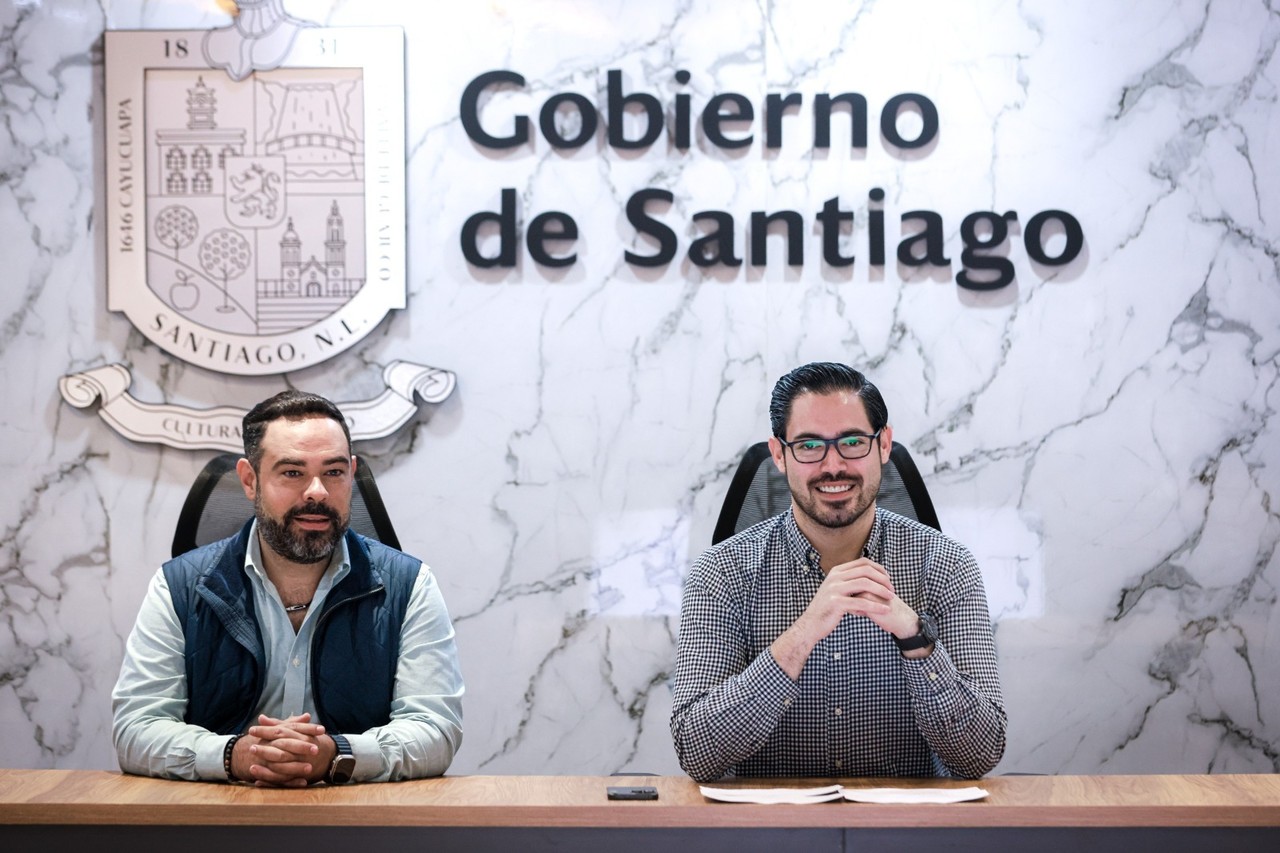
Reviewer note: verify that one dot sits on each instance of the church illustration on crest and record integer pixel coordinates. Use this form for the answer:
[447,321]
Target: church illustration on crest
[321,284]
[187,163]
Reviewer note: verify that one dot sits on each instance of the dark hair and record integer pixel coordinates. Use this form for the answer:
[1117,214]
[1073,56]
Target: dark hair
[291,405]
[824,377]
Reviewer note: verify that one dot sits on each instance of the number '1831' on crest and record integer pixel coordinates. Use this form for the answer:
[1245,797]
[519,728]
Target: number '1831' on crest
[255,215]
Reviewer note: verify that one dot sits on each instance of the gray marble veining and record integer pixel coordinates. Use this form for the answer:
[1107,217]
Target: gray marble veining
[1102,435]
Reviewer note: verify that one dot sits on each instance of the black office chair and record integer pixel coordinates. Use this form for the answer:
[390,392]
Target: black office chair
[217,508]
[759,491]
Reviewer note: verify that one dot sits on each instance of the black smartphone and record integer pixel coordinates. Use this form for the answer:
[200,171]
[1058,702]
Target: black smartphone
[632,792]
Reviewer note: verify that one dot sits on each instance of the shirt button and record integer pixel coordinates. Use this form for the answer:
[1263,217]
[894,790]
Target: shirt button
[836,656]
[839,764]
[933,676]
[838,712]
[297,662]
[786,703]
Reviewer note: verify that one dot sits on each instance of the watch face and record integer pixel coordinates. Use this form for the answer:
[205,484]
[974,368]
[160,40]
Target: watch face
[928,629]
[341,770]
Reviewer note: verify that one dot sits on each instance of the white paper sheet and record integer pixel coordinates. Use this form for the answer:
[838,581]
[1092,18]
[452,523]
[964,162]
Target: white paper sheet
[790,796]
[804,796]
[913,795]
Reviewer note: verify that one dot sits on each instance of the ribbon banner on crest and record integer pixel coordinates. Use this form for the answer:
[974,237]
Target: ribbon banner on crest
[218,428]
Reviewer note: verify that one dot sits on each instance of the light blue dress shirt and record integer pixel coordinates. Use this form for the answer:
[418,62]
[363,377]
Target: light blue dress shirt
[150,697]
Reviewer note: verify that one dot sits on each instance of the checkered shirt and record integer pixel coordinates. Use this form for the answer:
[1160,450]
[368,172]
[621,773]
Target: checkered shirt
[859,708]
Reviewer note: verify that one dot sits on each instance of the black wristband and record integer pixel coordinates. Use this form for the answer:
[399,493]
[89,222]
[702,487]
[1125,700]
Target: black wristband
[226,758]
[927,636]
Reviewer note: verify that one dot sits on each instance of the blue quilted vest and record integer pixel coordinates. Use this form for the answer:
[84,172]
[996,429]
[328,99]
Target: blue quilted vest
[353,652]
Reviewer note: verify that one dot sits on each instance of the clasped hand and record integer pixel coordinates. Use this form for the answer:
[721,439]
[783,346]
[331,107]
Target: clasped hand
[290,753]
[860,588]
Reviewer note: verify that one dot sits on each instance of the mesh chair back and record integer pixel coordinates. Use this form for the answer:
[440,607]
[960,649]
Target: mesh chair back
[217,508]
[759,491]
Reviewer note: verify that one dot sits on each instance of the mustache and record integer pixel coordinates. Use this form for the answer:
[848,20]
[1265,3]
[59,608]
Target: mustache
[828,477]
[313,509]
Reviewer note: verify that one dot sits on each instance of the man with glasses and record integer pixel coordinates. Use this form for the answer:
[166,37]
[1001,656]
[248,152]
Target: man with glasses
[835,639]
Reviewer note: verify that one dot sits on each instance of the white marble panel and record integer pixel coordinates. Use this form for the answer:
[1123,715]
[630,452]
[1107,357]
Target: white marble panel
[1102,435]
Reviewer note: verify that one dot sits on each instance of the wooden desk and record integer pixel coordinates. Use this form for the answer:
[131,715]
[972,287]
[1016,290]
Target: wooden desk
[1124,813]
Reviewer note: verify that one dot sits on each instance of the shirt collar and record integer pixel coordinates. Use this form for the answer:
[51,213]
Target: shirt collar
[874,549]
[339,562]
[805,556]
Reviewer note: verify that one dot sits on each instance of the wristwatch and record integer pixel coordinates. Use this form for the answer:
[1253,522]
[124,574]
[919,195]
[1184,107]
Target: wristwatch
[927,637]
[344,763]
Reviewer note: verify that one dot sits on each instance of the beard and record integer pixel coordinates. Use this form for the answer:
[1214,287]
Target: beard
[859,498]
[301,546]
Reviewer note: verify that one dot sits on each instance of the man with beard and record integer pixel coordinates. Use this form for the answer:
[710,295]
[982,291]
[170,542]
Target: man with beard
[835,639]
[296,651]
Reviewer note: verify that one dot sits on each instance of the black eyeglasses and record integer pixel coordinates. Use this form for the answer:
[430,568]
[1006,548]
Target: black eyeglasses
[810,450]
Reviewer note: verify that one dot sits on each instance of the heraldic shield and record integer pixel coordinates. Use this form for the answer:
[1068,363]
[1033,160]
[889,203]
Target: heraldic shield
[245,233]
[255,213]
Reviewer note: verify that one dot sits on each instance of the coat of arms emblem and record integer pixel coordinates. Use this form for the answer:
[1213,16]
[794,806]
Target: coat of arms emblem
[262,228]
[255,208]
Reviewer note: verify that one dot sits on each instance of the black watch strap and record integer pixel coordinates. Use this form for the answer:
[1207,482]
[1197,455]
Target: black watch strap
[927,637]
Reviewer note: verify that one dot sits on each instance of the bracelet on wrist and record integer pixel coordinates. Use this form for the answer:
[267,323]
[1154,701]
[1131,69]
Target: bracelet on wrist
[226,758]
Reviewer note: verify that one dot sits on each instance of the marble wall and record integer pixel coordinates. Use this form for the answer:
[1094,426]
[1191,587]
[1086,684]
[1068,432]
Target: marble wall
[1101,434]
